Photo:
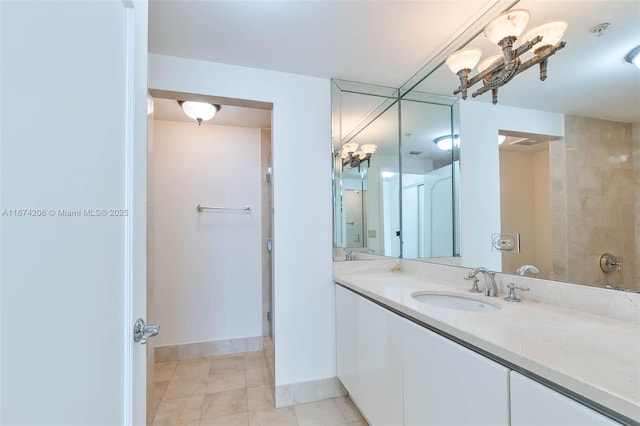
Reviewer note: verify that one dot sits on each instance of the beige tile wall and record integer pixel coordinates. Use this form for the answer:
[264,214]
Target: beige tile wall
[598,194]
[267,206]
[525,207]
[635,129]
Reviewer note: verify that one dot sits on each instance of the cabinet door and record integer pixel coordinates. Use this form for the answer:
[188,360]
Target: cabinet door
[534,404]
[346,336]
[447,384]
[378,385]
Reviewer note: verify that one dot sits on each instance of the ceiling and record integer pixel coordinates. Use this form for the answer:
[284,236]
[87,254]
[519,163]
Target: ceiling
[387,42]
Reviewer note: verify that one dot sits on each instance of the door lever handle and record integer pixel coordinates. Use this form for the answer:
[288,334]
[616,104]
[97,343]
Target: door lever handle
[141,331]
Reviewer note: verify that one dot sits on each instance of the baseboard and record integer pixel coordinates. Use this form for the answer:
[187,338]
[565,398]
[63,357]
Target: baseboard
[205,349]
[315,390]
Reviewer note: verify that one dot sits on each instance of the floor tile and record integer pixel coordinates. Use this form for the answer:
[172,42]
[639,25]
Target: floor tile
[358,423]
[257,377]
[192,368]
[158,389]
[324,412]
[219,382]
[177,411]
[253,355]
[348,410]
[224,403]
[238,419]
[260,398]
[221,365]
[273,417]
[163,371]
[183,387]
[255,363]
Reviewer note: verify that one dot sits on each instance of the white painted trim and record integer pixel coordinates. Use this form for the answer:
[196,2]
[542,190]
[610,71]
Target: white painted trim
[129,139]
[1,380]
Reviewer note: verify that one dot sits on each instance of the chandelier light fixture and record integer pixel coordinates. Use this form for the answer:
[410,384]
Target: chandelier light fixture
[354,157]
[199,111]
[498,70]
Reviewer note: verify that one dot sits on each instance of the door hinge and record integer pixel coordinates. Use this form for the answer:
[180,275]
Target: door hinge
[268,176]
[269,244]
[269,316]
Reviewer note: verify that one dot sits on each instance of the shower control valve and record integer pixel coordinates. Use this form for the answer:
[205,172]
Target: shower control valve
[609,263]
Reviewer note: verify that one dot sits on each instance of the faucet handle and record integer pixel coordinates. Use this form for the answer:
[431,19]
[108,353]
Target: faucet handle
[511,297]
[474,288]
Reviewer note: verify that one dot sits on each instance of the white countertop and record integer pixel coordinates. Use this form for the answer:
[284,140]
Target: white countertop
[592,355]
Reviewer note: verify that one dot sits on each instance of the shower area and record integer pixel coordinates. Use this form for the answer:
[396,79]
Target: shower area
[209,233]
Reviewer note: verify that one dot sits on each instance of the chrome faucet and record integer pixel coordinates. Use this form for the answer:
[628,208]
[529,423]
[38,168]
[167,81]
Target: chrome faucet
[490,286]
[524,268]
[348,255]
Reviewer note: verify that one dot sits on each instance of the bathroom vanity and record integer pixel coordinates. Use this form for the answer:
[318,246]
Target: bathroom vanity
[535,362]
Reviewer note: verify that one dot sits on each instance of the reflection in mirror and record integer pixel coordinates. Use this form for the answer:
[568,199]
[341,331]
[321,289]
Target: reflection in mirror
[385,205]
[525,201]
[592,182]
[366,167]
[430,176]
[592,174]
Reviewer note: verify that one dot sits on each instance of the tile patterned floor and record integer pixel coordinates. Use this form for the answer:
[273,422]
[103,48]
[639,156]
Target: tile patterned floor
[234,390]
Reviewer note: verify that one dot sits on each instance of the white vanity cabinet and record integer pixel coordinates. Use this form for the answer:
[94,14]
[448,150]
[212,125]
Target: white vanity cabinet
[346,336]
[369,361]
[448,384]
[534,404]
[400,373]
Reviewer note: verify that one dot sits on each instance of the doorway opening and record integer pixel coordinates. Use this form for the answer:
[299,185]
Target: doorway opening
[209,247]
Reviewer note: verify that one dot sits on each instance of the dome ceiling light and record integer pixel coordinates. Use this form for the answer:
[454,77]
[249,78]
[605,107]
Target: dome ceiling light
[446,142]
[498,70]
[199,111]
[633,57]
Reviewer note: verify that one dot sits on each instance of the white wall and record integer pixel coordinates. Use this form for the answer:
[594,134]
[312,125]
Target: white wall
[207,266]
[304,292]
[66,312]
[480,171]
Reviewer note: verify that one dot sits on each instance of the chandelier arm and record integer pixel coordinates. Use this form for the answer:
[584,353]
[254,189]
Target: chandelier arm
[481,90]
[527,46]
[464,83]
[526,65]
[498,67]
[541,56]
[492,69]
[543,69]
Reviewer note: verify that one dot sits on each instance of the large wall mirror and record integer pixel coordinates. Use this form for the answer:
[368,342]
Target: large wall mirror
[396,173]
[554,164]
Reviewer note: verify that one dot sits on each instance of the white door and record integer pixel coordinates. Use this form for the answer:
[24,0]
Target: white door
[73,161]
[354,200]
[439,212]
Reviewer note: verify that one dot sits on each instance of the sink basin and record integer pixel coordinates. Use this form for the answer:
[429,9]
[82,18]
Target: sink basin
[455,301]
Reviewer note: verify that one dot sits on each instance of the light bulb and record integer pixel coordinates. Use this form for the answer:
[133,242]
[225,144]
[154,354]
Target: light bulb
[486,63]
[369,148]
[551,33]
[200,111]
[510,24]
[466,58]
[350,147]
